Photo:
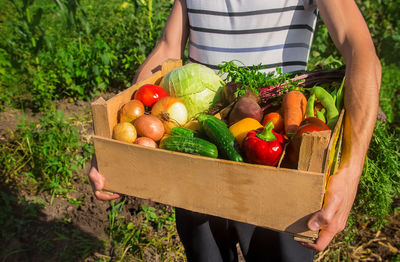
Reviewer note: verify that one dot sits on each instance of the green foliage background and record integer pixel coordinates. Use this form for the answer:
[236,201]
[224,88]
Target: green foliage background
[76,49]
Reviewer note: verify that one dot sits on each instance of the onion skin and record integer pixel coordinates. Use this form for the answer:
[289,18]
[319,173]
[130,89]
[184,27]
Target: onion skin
[145,141]
[125,132]
[131,111]
[149,126]
[171,111]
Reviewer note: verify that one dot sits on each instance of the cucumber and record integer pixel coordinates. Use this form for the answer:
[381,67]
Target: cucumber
[210,117]
[190,145]
[181,131]
[218,133]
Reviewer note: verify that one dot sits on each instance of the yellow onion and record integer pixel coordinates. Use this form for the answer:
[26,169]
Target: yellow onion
[149,126]
[171,111]
[131,110]
[125,131]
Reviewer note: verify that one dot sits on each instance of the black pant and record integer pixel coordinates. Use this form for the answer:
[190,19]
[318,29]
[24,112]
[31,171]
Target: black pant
[213,239]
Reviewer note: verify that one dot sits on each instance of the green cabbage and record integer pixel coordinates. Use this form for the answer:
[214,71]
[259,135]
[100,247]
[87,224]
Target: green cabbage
[198,87]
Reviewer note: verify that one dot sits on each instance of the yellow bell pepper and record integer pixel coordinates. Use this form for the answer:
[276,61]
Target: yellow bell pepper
[240,129]
[193,125]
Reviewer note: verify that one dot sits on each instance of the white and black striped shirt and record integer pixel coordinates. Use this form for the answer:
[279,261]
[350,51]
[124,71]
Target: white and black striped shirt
[273,33]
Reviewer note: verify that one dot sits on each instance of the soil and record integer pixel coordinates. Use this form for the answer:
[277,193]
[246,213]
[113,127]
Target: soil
[46,228]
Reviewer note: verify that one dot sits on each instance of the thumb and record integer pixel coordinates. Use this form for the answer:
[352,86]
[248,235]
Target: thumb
[316,221]
[322,218]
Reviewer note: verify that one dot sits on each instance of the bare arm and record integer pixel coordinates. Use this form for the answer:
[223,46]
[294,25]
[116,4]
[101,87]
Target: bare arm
[172,43]
[363,76]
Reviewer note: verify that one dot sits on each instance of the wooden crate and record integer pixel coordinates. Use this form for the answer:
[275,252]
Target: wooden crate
[277,198]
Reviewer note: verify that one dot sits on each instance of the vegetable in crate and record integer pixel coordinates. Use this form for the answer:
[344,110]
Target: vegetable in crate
[149,126]
[277,120]
[196,85]
[332,113]
[145,141]
[240,129]
[171,111]
[131,110]
[125,132]
[246,106]
[218,133]
[308,125]
[190,145]
[182,131]
[263,146]
[149,94]
[294,109]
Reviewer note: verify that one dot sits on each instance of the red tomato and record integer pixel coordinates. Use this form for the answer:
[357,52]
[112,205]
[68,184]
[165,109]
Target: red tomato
[308,125]
[149,94]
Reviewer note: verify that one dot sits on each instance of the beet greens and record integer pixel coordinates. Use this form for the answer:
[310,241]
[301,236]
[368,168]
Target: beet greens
[271,86]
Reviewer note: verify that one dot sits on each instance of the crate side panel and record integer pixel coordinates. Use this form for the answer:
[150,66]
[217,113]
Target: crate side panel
[313,150]
[280,199]
[100,119]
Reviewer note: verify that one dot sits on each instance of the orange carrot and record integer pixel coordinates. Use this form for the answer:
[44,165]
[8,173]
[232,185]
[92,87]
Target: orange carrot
[294,108]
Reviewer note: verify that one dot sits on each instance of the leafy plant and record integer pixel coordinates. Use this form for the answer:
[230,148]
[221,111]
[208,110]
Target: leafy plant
[47,153]
[154,234]
[251,78]
[380,182]
[389,99]
[78,58]
[159,217]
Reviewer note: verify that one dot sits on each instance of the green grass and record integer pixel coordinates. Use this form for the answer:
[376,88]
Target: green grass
[152,233]
[45,155]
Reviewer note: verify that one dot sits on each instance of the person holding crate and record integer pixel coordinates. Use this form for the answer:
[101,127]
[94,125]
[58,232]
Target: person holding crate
[275,34]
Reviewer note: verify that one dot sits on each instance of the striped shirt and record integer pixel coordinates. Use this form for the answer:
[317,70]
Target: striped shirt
[273,33]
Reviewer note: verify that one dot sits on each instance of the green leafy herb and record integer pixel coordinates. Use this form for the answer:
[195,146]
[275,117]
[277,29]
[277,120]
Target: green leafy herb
[252,78]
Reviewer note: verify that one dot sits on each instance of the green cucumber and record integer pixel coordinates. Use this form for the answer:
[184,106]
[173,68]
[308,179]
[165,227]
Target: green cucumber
[213,118]
[190,145]
[218,133]
[182,131]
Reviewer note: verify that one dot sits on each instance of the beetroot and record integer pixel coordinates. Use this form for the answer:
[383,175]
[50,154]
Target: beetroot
[246,106]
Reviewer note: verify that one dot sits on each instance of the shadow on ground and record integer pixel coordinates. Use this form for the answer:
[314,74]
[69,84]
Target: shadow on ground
[28,234]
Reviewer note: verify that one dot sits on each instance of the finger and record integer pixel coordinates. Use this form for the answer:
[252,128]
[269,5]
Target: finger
[324,238]
[96,179]
[106,196]
[322,218]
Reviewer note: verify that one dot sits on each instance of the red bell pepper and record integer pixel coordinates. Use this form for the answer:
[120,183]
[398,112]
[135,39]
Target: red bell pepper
[263,146]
